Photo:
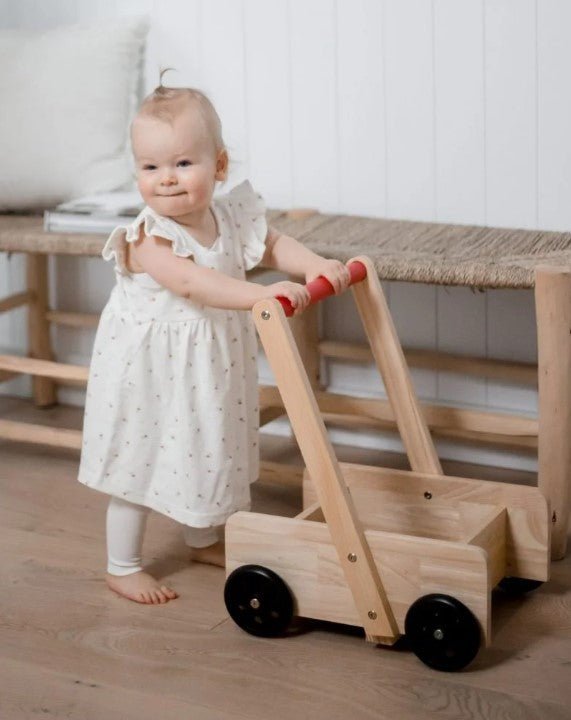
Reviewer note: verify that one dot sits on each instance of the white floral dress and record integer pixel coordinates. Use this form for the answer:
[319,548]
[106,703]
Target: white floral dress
[171,413]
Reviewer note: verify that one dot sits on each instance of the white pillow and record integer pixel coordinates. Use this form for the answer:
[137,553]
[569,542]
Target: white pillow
[67,97]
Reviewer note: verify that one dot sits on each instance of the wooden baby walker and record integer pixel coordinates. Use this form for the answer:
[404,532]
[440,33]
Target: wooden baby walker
[395,552]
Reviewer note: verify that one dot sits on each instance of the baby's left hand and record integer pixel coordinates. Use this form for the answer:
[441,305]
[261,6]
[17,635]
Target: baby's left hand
[334,270]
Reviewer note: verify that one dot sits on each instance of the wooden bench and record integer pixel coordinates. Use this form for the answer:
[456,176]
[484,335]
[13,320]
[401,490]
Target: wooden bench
[406,251]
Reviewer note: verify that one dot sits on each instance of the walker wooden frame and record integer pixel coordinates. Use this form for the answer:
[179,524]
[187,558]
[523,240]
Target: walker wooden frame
[371,542]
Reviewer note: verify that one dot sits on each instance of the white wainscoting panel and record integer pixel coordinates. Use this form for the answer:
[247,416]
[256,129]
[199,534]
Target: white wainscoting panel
[442,110]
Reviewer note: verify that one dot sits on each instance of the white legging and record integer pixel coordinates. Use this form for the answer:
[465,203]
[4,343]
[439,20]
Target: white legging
[126,524]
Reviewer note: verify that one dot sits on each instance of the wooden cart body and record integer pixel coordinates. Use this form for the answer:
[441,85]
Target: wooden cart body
[427,534]
[372,540]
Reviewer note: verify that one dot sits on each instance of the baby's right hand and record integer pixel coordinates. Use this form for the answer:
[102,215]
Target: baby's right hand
[296,293]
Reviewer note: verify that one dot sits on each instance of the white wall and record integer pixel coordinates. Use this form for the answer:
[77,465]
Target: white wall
[446,110]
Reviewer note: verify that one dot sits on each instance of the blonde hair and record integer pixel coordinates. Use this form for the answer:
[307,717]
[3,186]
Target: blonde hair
[165,103]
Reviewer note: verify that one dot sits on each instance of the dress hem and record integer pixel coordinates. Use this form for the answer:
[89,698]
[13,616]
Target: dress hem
[192,519]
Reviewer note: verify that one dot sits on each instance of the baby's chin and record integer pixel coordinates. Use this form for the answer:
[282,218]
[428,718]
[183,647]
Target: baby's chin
[172,206]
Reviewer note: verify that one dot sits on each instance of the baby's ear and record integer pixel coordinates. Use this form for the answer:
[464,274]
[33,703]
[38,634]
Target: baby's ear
[222,165]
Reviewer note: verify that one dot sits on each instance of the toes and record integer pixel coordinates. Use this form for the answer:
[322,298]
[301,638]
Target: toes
[169,592]
[153,596]
[160,597]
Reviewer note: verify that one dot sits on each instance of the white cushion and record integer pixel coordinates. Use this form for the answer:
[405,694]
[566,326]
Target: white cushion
[67,97]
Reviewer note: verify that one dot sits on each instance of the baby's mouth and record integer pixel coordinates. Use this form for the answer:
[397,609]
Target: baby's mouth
[172,194]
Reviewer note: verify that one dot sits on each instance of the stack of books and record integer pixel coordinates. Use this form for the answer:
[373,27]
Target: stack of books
[99,213]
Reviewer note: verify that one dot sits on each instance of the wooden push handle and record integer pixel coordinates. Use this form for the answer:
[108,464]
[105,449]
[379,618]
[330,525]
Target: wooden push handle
[321,288]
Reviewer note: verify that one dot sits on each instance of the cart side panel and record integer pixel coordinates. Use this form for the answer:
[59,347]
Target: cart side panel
[528,525]
[303,554]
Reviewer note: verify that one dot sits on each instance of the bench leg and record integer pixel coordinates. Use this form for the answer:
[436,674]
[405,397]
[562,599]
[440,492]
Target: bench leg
[553,317]
[39,346]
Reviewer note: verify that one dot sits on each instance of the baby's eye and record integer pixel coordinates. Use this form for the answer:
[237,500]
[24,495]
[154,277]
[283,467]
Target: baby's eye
[149,167]
[184,163]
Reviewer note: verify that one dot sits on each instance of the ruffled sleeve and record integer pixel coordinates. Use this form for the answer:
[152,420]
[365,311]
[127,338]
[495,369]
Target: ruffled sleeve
[154,225]
[248,211]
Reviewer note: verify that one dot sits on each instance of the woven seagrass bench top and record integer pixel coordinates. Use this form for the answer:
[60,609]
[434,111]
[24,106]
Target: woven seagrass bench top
[438,253]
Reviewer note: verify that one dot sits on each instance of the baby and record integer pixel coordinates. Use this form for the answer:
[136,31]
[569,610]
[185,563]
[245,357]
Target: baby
[171,415]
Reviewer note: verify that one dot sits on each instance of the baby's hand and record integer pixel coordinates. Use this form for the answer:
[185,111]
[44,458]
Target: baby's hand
[297,294]
[334,270]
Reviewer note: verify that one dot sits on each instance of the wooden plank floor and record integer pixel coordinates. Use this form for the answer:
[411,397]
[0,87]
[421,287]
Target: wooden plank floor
[69,648]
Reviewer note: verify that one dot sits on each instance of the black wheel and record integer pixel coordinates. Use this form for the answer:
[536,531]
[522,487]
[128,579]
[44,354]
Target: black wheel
[518,586]
[258,601]
[442,632]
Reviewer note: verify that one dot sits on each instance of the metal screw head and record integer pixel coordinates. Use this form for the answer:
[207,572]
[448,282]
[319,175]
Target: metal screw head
[372,614]
[428,495]
[438,634]
[352,557]
[254,603]
[266,315]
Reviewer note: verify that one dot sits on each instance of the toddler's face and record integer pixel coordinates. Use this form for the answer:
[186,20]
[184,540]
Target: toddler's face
[177,163]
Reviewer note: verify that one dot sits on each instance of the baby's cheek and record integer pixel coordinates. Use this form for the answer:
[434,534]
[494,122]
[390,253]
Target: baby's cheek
[145,187]
[200,189]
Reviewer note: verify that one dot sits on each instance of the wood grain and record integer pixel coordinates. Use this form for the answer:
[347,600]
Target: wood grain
[69,648]
[553,310]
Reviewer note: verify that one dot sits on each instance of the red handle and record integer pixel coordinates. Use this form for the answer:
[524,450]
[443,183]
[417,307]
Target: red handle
[321,287]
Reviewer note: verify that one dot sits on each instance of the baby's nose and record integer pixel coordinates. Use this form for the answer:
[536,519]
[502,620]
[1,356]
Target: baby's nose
[168,180]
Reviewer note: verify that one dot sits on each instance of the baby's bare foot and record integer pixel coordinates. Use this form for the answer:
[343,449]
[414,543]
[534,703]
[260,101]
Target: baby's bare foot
[211,555]
[140,587]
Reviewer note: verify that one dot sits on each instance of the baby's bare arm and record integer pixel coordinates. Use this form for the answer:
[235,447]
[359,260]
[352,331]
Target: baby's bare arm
[286,254]
[204,285]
